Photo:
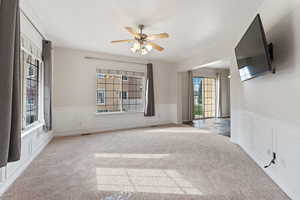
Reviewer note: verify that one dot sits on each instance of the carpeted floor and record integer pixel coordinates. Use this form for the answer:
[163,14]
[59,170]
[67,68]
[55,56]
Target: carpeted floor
[167,163]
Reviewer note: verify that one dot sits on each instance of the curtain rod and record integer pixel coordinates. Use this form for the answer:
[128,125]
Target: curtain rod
[114,60]
[34,26]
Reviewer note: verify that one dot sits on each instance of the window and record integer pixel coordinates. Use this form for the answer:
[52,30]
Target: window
[198,97]
[119,91]
[133,88]
[124,95]
[99,75]
[31,88]
[204,97]
[209,96]
[31,71]
[100,97]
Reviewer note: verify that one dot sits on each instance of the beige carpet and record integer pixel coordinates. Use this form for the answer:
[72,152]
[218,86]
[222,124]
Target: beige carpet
[170,163]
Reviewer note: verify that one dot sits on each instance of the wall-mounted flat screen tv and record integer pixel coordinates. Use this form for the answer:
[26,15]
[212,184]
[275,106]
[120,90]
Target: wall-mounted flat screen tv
[252,52]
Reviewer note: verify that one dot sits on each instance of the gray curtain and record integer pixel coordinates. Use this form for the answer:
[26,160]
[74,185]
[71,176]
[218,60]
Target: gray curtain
[10,79]
[190,96]
[149,93]
[219,95]
[47,58]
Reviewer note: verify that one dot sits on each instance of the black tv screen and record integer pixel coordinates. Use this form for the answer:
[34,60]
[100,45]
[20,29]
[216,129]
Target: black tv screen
[252,52]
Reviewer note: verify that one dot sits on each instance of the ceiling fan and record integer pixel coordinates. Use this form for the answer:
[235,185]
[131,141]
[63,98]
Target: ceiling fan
[142,43]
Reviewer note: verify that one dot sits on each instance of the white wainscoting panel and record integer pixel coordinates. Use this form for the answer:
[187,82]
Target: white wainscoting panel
[32,144]
[259,136]
[74,120]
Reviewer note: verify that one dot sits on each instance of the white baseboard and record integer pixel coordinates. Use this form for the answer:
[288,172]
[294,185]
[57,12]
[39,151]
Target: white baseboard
[20,169]
[91,131]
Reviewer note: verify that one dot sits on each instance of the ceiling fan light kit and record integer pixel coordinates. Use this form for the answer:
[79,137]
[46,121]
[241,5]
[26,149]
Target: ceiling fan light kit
[141,48]
[142,43]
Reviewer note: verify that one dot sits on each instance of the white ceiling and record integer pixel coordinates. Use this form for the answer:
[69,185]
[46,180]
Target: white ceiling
[219,64]
[193,25]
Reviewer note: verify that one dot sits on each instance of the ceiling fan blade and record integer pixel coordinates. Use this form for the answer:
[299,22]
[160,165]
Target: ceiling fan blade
[117,41]
[157,36]
[132,31]
[156,46]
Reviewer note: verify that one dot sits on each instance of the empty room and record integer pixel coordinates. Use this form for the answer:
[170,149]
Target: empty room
[149,100]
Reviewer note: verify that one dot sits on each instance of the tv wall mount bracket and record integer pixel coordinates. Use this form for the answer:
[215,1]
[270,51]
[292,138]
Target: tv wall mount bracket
[271,55]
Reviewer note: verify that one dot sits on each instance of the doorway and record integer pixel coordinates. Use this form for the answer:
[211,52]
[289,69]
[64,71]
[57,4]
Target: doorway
[204,97]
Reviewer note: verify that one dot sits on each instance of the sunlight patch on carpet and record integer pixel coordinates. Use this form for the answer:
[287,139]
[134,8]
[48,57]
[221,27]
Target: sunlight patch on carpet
[144,180]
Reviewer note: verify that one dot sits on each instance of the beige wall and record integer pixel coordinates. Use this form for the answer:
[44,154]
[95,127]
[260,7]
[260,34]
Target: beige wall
[75,96]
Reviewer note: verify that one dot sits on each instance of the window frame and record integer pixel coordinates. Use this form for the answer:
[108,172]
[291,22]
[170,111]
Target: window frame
[121,98]
[40,117]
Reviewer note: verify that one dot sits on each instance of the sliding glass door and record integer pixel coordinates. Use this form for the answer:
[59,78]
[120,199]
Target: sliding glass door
[204,97]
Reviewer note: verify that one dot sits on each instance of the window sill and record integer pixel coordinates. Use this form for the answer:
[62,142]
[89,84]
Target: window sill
[32,128]
[117,113]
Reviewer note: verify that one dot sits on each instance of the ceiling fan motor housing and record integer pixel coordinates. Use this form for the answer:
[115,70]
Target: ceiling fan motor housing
[143,41]
[141,27]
